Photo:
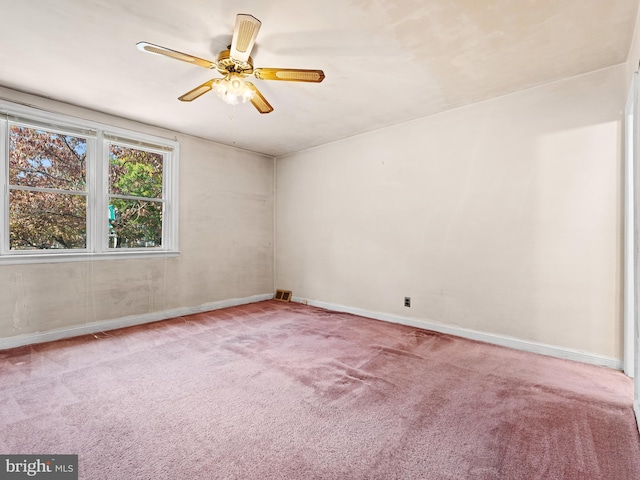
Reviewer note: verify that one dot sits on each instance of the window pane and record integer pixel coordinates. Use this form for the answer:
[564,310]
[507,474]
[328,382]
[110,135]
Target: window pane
[134,172]
[41,220]
[38,158]
[135,224]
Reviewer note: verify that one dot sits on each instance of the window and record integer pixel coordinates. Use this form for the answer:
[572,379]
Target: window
[76,189]
[135,197]
[47,189]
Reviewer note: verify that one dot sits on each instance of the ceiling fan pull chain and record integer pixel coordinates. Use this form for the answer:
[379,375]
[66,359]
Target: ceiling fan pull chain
[232,117]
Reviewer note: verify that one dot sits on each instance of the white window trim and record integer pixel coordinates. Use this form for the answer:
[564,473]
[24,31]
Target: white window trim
[98,136]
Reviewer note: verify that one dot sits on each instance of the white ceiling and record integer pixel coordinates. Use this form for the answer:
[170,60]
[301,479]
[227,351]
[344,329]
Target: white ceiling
[385,61]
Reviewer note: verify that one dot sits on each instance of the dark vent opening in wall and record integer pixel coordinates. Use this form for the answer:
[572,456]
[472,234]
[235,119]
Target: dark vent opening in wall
[283,295]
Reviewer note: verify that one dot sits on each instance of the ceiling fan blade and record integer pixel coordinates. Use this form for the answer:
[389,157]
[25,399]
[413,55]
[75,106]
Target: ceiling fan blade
[167,52]
[258,100]
[289,74]
[196,92]
[244,36]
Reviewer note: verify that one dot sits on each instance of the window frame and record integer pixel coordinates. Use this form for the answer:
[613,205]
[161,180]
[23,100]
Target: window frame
[98,137]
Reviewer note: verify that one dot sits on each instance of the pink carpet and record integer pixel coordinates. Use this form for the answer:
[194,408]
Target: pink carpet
[285,391]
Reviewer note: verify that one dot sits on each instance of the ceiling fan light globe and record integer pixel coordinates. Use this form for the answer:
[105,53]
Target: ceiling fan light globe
[247,95]
[232,89]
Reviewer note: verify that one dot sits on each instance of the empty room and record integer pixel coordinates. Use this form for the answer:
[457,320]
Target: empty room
[357,239]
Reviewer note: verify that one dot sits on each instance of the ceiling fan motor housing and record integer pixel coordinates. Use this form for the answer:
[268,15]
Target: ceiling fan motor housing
[226,64]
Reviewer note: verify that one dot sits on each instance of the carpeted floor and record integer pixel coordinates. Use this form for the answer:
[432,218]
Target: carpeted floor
[285,391]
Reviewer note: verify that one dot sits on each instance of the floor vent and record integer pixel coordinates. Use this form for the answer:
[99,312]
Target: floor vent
[283,295]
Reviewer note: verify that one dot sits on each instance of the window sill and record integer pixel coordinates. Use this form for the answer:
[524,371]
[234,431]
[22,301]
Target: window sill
[26,258]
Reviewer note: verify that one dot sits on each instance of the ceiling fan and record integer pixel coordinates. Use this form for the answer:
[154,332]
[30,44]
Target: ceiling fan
[235,65]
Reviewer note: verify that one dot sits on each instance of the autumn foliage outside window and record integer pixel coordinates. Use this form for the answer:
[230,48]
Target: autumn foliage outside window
[135,193]
[47,190]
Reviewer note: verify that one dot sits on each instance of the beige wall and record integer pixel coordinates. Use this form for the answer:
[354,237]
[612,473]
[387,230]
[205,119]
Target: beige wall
[226,243]
[502,217]
[634,52]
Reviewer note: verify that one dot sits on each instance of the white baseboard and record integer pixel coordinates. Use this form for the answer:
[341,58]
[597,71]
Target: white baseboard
[511,342]
[128,321]
[636,409]
[505,341]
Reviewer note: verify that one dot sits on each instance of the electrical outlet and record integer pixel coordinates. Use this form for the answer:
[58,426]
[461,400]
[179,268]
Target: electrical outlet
[407,301]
